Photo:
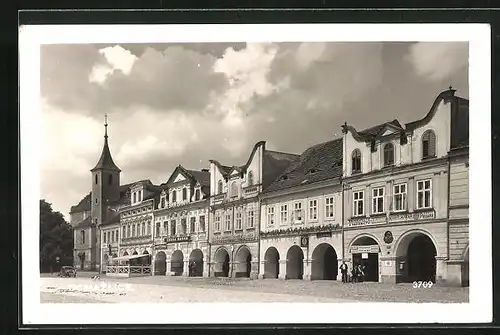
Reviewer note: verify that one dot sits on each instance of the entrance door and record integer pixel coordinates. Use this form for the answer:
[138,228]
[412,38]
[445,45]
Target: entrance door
[370,264]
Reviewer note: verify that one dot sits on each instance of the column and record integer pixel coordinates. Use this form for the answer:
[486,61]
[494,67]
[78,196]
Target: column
[262,269]
[282,265]
[440,269]
[307,269]
[254,272]
[339,273]
[167,265]
[153,258]
[388,269]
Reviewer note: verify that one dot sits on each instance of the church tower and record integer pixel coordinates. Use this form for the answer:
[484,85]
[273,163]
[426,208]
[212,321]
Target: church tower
[105,190]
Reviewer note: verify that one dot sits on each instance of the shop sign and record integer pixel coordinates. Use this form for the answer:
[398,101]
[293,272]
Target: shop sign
[250,237]
[324,234]
[366,221]
[360,249]
[364,255]
[403,217]
[174,239]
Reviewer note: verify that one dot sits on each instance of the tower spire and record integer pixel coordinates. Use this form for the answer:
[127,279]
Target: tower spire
[106,126]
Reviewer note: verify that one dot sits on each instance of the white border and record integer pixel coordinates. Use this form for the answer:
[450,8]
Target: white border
[479,309]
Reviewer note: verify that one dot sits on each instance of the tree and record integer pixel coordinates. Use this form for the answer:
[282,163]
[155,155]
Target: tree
[56,239]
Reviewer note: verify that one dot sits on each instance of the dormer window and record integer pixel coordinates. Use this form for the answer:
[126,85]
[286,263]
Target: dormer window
[388,154]
[135,197]
[197,195]
[162,203]
[428,144]
[184,193]
[139,197]
[219,187]
[96,179]
[174,196]
[234,189]
[250,178]
[356,161]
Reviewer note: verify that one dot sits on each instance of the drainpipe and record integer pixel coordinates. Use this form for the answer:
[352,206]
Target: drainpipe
[343,223]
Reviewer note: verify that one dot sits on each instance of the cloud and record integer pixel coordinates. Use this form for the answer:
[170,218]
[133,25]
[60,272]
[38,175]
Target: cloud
[188,103]
[438,61]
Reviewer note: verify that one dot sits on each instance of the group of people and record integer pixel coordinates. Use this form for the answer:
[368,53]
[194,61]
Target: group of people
[357,273]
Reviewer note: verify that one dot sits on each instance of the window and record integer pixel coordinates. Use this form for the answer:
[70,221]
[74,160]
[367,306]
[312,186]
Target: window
[192,225]
[219,187]
[128,231]
[424,194]
[110,179]
[227,226]
[250,178]
[104,237]
[270,216]
[183,226]
[162,203]
[139,197]
[313,209]
[238,221]
[96,179]
[143,228]
[148,228]
[356,161]
[113,236]
[428,144]
[184,193]
[250,218]
[388,154]
[283,214]
[109,237]
[378,200]
[358,204]
[197,195]
[124,231]
[298,211]
[165,228]
[135,197]
[82,236]
[157,232]
[399,197]
[116,235]
[329,208]
[234,189]
[174,196]
[173,227]
[217,222]
[202,223]
[134,230]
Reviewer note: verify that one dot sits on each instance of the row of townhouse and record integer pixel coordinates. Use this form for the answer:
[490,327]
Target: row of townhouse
[392,197]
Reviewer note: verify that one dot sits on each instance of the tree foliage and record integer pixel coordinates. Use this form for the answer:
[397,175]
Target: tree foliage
[56,239]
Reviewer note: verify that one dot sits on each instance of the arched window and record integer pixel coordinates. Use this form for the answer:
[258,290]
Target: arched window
[124,232]
[388,154]
[219,187]
[428,144]
[250,178]
[96,179]
[356,161]
[110,179]
[128,231]
[82,236]
[184,193]
[162,203]
[174,196]
[133,230]
[143,229]
[197,195]
[234,189]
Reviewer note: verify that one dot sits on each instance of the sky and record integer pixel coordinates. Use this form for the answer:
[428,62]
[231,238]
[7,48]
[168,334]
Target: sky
[171,104]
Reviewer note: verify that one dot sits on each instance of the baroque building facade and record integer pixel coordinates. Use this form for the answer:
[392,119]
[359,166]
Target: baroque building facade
[301,235]
[181,224]
[235,208]
[397,193]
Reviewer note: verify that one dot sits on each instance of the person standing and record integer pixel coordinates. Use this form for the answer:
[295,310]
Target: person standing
[343,270]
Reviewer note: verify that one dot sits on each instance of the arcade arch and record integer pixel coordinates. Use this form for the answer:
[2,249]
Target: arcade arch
[272,263]
[221,266]
[160,263]
[243,263]
[177,263]
[196,263]
[324,263]
[365,251]
[295,263]
[416,253]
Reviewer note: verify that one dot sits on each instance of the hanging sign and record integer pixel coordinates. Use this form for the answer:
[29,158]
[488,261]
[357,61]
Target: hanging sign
[359,249]
[364,255]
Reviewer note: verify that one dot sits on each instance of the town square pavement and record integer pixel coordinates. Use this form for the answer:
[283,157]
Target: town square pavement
[154,289]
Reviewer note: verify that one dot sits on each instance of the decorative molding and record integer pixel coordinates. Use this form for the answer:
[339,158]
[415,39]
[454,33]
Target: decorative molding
[237,238]
[298,231]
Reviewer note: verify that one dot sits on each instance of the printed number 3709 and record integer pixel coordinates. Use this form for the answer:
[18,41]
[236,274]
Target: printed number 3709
[422,284]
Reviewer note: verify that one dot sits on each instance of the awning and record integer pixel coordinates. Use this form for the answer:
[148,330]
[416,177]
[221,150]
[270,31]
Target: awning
[126,258]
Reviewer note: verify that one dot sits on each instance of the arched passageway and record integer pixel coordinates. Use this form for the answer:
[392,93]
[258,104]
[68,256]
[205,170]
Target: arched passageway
[365,252]
[146,259]
[177,263]
[324,263]
[160,264]
[221,266]
[196,263]
[465,270]
[295,263]
[243,263]
[272,263]
[416,258]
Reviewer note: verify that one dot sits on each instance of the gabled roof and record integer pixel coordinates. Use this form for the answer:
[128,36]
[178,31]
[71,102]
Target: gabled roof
[84,205]
[374,132]
[320,162]
[273,165]
[85,223]
[114,218]
[227,170]
[194,176]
